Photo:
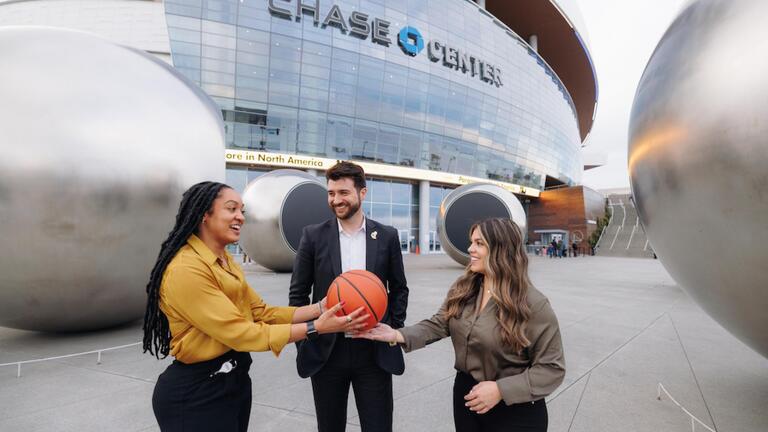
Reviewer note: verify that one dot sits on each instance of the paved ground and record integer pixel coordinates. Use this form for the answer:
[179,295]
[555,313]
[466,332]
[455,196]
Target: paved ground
[626,327]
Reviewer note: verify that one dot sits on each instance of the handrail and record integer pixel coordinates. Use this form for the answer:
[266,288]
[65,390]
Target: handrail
[623,209]
[615,236]
[623,219]
[98,358]
[605,228]
[694,420]
[634,228]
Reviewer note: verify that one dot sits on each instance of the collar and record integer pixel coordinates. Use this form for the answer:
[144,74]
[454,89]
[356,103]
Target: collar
[202,249]
[362,227]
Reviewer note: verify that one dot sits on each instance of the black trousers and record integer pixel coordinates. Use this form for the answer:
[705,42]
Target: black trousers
[193,397]
[353,361]
[523,417]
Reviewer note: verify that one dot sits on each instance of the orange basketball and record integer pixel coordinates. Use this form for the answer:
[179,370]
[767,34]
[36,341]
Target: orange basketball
[359,288]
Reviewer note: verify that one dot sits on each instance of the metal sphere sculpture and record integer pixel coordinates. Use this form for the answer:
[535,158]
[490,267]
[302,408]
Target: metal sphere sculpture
[698,158]
[469,204]
[97,144]
[278,205]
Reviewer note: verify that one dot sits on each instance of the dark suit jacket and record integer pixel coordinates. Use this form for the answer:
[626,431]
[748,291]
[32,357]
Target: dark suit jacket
[318,262]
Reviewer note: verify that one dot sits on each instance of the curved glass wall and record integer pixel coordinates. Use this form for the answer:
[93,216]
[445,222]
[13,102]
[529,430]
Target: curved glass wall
[296,87]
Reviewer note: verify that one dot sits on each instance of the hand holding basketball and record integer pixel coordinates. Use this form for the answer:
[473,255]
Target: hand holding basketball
[382,333]
[330,322]
[360,288]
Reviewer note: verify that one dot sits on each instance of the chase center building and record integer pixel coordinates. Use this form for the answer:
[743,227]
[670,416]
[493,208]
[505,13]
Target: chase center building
[425,94]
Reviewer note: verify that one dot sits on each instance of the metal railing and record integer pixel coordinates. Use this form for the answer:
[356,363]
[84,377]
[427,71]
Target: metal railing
[693,418]
[618,230]
[98,357]
[634,228]
[605,228]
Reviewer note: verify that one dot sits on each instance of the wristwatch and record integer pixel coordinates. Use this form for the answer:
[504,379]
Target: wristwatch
[312,333]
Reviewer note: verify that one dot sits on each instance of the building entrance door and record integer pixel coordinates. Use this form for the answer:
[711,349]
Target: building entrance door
[434,242]
[405,243]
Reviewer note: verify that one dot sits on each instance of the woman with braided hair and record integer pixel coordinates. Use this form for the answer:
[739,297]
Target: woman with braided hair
[201,310]
[509,355]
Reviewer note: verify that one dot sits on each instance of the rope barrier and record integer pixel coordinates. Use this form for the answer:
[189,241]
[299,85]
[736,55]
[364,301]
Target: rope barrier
[694,420]
[98,358]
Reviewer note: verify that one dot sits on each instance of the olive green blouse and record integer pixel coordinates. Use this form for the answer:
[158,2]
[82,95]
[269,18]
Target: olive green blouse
[480,351]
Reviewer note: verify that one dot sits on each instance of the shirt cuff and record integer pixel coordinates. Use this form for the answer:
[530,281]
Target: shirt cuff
[515,389]
[412,339]
[284,314]
[279,334]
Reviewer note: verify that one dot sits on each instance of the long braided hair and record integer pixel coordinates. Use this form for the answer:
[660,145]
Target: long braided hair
[195,202]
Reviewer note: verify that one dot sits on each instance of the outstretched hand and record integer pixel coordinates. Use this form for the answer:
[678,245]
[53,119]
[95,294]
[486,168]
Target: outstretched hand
[328,322]
[381,332]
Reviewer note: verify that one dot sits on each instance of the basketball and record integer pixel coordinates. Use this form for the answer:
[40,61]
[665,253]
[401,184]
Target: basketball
[359,288]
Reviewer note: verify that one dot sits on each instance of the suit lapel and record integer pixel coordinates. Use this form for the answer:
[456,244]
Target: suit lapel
[334,249]
[371,245]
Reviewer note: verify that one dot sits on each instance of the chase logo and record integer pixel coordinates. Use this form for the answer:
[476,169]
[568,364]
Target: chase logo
[410,41]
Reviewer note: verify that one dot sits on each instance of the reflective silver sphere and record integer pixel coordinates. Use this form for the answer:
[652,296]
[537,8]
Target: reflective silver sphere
[469,204]
[97,143]
[278,205]
[698,160]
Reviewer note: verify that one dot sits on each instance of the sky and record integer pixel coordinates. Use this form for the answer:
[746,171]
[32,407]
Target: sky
[622,36]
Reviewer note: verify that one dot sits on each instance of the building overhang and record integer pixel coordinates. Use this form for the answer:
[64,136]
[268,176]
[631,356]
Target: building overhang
[560,44]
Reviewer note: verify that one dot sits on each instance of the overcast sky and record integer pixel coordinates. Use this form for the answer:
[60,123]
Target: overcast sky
[622,35]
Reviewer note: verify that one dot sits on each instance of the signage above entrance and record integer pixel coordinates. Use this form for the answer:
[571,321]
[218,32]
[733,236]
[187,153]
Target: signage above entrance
[357,25]
[410,40]
[282,160]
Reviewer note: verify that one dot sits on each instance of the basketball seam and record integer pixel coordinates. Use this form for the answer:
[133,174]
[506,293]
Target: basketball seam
[338,296]
[378,282]
[370,308]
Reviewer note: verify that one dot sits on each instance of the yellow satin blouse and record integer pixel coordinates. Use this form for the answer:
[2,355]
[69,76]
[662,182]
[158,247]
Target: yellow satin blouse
[212,310]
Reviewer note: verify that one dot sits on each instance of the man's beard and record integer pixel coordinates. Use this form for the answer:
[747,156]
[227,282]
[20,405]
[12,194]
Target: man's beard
[351,211]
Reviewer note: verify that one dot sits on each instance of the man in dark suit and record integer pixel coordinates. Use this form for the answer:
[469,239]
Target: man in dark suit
[334,361]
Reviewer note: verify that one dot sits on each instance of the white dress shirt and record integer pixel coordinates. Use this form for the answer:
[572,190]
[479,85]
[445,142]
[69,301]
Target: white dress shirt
[352,245]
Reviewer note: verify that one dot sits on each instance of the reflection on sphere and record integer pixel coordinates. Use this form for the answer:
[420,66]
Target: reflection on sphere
[97,143]
[698,160]
[279,204]
[469,204]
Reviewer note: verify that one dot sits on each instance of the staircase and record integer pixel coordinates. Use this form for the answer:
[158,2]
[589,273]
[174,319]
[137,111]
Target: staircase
[624,236]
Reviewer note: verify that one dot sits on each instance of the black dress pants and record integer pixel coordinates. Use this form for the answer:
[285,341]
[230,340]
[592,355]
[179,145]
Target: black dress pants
[193,397]
[523,417]
[353,361]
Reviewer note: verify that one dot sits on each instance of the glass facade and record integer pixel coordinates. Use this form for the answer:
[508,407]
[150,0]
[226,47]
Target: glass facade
[390,202]
[436,195]
[295,87]
[397,204]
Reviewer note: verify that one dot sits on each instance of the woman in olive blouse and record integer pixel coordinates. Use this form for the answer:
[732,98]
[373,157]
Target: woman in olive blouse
[506,338]
[201,310]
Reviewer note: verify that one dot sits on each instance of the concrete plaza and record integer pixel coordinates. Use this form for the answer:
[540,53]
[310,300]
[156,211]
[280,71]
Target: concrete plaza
[626,328]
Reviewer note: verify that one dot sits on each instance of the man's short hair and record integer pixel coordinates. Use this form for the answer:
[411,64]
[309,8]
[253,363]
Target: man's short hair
[346,169]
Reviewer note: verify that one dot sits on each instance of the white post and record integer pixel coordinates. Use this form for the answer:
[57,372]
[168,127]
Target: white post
[424,216]
[533,41]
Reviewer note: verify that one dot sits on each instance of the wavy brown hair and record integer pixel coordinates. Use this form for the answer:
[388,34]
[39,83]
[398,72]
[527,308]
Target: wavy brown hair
[506,274]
